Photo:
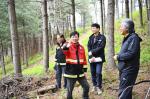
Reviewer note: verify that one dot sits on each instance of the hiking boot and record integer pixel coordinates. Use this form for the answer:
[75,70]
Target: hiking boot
[99,91]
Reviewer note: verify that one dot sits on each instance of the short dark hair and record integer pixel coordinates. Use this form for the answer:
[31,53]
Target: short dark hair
[62,36]
[74,33]
[95,25]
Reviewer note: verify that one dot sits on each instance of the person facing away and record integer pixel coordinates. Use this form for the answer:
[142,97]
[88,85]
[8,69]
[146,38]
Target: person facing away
[128,59]
[76,66]
[60,61]
[96,47]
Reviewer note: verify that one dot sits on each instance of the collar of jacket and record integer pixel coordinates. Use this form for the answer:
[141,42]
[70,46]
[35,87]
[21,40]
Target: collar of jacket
[96,36]
[125,38]
[75,44]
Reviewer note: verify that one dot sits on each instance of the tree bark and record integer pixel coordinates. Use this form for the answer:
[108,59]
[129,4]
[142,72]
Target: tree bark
[11,53]
[104,17]
[122,7]
[45,36]
[14,38]
[95,9]
[73,14]
[110,33]
[140,12]
[134,4]
[117,9]
[2,62]
[131,8]
[101,16]
[40,44]
[148,2]
[127,8]
[25,47]
[22,51]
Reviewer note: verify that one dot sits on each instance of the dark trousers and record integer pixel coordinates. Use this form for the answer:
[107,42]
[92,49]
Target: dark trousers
[60,70]
[96,73]
[70,86]
[126,80]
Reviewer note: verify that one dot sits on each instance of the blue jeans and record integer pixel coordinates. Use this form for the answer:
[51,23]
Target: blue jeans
[96,73]
[60,70]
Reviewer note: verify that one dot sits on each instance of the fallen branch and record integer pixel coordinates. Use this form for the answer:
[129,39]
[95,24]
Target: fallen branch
[46,88]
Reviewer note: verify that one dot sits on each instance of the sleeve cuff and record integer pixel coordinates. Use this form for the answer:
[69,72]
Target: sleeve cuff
[65,48]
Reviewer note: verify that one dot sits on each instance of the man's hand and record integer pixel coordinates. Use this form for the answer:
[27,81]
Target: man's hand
[92,59]
[68,45]
[115,57]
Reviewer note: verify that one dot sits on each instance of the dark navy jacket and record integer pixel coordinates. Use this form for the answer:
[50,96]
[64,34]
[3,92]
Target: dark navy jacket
[129,55]
[60,56]
[97,48]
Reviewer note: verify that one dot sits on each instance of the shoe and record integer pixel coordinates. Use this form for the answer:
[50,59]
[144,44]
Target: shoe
[99,91]
[93,89]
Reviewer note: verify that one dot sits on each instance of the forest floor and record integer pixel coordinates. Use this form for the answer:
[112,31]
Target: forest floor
[27,87]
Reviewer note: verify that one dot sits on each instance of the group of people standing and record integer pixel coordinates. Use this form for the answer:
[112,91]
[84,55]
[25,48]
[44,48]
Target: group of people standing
[72,64]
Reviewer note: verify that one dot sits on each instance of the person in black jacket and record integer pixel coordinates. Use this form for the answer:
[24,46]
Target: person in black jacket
[96,46]
[128,59]
[60,61]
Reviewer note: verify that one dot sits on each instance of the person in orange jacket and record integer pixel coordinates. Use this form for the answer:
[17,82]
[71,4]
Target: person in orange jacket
[75,66]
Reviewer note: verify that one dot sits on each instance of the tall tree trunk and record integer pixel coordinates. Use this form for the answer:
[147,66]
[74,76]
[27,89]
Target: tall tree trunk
[67,26]
[29,46]
[84,21]
[122,7]
[95,9]
[131,8]
[104,17]
[39,44]
[148,2]
[34,50]
[140,12]
[101,16]
[73,14]
[134,4]
[2,62]
[63,29]
[45,36]
[14,38]
[117,9]
[51,37]
[11,52]
[110,33]
[21,51]
[25,47]
[127,8]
